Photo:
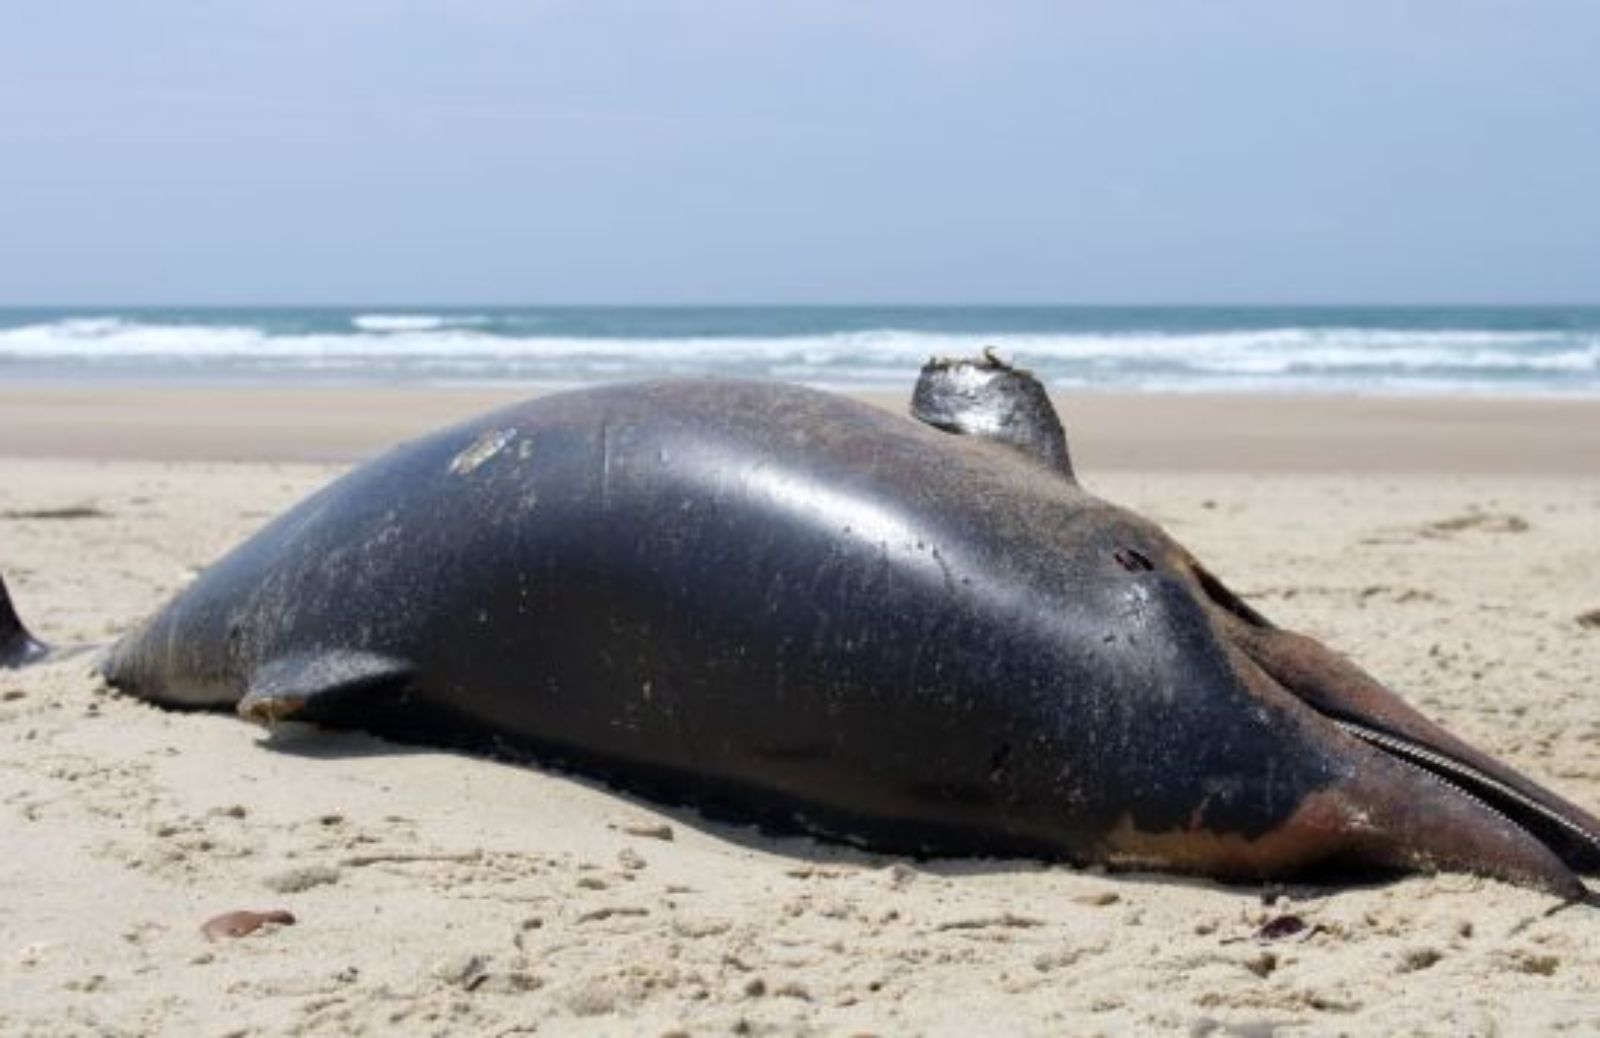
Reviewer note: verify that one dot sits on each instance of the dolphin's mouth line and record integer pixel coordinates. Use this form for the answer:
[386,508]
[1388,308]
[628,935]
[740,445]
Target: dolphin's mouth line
[1338,692]
[1510,803]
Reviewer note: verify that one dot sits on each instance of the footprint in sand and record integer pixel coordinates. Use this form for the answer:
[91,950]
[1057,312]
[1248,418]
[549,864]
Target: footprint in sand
[1485,522]
[66,512]
[1479,522]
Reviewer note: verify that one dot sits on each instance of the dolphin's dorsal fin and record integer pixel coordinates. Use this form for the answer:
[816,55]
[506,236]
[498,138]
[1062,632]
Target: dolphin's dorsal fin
[317,686]
[18,648]
[990,399]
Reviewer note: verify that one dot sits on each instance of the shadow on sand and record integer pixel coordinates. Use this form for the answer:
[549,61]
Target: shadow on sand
[313,743]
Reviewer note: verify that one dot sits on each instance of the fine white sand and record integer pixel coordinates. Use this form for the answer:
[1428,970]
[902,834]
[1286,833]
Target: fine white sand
[437,893]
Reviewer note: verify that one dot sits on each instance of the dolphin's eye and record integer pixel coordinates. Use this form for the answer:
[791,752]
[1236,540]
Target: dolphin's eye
[1132,561]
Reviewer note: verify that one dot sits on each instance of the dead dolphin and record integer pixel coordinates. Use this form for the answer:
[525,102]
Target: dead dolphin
[917,636]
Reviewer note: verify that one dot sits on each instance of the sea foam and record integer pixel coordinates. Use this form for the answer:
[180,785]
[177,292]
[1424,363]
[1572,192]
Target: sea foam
[445,347]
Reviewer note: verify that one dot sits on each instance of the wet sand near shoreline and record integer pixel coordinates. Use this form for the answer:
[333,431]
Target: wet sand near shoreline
[1175,432]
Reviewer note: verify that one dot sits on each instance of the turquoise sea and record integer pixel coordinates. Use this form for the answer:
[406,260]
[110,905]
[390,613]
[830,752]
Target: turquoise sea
[1408,350]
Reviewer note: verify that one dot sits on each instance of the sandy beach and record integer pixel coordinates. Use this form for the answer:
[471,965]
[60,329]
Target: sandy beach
[1451,546]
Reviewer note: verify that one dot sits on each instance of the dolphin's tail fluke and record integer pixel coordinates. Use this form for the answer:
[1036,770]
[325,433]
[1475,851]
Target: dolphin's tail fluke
[18,648]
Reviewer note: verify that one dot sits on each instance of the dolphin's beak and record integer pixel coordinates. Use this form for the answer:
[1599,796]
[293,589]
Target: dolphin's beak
[1414,796]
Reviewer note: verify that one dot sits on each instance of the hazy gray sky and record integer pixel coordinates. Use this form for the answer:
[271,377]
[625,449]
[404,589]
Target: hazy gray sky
[356,151]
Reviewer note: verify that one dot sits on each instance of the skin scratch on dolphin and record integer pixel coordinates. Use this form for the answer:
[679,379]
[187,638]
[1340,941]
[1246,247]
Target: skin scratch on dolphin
[481,450]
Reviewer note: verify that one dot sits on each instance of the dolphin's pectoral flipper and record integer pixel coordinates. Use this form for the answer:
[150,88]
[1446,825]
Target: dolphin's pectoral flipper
[324,687]
[18,648]
[990,399]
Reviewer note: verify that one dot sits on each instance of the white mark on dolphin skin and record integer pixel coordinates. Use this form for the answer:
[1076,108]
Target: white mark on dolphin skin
[481,450]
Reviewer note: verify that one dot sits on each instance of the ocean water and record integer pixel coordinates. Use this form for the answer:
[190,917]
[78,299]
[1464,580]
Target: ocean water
[1405,350]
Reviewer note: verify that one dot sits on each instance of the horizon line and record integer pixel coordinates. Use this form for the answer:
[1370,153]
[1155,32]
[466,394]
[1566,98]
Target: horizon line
[807,305]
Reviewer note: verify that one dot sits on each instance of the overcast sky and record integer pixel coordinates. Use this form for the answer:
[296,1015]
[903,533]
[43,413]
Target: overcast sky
[284,151]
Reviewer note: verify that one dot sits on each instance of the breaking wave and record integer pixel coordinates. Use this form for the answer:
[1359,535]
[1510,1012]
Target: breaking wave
[468,347]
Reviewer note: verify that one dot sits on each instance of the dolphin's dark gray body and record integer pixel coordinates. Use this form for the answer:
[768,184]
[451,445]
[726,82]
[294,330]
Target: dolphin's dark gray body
[813,613]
